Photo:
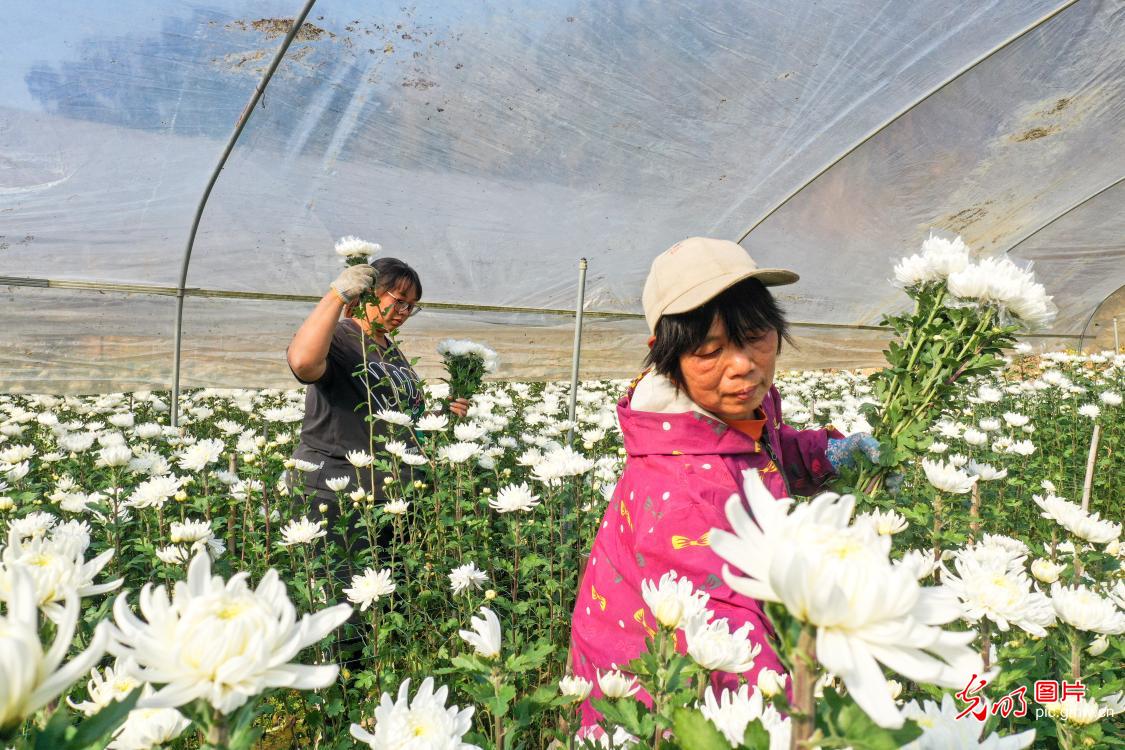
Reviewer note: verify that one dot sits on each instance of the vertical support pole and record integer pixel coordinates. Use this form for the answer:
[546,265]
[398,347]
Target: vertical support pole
[175,406]
[1091,460]
[1116,338]
[238,128]
[577,347]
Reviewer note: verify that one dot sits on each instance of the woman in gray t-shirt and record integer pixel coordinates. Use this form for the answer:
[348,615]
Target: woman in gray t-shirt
[327,354]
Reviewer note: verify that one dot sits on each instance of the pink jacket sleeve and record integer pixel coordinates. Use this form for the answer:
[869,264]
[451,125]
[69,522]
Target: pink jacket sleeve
[803,457]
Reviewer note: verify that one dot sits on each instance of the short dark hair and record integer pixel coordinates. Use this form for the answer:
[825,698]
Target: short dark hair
[394,273]
[746,308]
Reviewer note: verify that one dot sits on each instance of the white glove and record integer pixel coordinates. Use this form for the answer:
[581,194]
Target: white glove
[354,281]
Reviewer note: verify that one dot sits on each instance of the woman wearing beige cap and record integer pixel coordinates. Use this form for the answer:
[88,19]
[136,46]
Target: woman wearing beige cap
[704,412]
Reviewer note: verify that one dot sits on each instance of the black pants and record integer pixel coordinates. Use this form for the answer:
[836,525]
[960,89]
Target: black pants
[355,541]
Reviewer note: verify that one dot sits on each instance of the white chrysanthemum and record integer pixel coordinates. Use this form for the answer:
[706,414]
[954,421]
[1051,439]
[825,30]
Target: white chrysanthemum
[1016,420]
[714,647]
[973,436]
[1082,608]
[616,684]
[735,709]
[485,634]
[1088,526]
[203,453]
[394,417]
[15,454]
[885,522]
[560,463]
[770,683]
[337,484]
[369,586]
[221,641]
[1046,571]
[672,600]
[432,423]
[943,729]
[32,678]
[947,477]
[986,472]
[396,448]
[997,592]
[576,688]
[465,577]
[1110,398]
[173,554]
[989,424]
[32,525]
[359,459]
[57,567]
[354,247]
[468,432]
[912,270]
[114,683]
[396,507]
[421,722]
[1089,410]
[147,728]
[459,453]
[1022,448]
[945,256]
[1013,548]
[114,456]
[189,531]
[513,498]
[155,491]
[840,579]
[300,531]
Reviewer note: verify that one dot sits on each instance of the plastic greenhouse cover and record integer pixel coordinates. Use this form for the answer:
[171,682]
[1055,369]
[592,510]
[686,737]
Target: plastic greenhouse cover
[493,144]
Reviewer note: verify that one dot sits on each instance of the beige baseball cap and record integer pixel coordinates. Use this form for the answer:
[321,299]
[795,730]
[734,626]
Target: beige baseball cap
[693,271]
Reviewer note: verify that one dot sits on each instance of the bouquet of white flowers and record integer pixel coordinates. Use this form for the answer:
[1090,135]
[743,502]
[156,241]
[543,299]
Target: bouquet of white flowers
[357,252]
[965,313]
[467,363]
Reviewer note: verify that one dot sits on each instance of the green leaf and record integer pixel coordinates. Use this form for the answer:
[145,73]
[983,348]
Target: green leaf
[104,722]
[694,731]
[53,736]
[471,663]
[498,704]
[756,736]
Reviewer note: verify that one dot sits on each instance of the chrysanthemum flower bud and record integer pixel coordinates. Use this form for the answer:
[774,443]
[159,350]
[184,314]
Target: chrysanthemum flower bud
[771,683]
[323,507]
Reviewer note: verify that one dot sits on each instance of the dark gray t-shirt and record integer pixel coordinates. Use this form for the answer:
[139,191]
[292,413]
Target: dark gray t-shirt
[333,425]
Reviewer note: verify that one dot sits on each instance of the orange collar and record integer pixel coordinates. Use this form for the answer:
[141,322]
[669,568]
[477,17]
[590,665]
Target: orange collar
[751,427]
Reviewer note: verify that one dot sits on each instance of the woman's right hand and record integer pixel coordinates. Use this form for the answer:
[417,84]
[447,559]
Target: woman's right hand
[354,281]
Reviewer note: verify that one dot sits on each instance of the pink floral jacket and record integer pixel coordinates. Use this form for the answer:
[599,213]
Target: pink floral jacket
[682,465]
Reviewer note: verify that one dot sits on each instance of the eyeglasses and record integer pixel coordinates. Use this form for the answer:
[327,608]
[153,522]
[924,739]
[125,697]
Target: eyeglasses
[403,306]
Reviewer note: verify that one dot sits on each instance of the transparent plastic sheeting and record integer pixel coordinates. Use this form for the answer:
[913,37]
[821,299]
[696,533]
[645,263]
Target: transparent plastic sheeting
[70,341]
[493,144]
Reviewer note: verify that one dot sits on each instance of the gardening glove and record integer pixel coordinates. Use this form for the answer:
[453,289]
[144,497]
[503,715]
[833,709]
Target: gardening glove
[841,452]
[354,281]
